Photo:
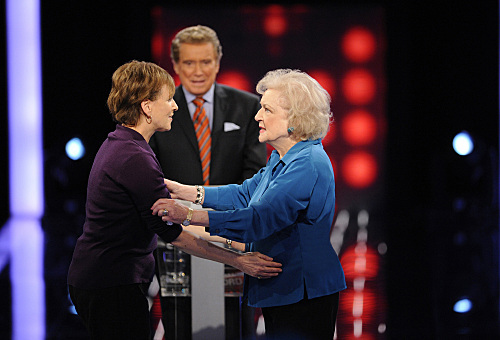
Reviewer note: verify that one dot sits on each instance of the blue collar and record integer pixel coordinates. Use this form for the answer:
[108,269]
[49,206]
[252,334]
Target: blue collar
[292,153]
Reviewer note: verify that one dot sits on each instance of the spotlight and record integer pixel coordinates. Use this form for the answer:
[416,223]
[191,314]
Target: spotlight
[75,149]
[462,306]
[463,143]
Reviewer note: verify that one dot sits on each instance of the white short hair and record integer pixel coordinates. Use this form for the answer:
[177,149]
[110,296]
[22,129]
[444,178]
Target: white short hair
[307,102]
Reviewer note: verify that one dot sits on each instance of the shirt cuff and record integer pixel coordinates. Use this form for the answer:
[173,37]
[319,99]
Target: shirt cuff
[211,195]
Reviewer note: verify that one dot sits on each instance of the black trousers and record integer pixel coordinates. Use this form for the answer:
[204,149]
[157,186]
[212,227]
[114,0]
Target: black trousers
[308,319]
[114,313]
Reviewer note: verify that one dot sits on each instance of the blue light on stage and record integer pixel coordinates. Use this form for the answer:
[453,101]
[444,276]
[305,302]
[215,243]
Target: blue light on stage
[75,149]
[463,143]
[24,82]
[71,308]
[462,306]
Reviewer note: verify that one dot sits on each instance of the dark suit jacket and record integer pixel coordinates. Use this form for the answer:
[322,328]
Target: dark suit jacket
[236,155]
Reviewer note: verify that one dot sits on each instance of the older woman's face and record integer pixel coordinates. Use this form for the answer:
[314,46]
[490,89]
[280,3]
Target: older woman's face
[273,119]
[162,110]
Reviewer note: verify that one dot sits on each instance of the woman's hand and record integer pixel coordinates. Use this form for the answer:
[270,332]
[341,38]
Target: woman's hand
[254,264]
[181,191]
[258,265]
[173,187]
[170,210]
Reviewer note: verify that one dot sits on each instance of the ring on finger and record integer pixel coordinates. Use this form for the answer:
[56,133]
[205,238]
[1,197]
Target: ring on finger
[165,212]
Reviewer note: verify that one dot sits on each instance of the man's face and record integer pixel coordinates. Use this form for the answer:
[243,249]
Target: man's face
[197,67]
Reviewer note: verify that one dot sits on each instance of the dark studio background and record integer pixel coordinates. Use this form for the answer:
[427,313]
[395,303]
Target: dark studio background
[440,210]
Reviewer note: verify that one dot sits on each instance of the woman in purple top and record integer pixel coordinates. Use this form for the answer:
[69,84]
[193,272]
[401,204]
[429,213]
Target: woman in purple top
[113,260]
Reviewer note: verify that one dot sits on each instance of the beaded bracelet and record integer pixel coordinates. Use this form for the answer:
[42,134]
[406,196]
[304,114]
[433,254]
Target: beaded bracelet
[199,194]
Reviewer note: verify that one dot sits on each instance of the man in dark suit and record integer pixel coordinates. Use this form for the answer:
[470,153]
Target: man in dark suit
[235,151]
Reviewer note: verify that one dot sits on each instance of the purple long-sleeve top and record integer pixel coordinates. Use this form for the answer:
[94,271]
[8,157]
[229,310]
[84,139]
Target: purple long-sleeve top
[120,232]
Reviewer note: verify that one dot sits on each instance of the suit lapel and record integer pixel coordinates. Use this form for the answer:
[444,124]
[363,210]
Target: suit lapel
[220,113]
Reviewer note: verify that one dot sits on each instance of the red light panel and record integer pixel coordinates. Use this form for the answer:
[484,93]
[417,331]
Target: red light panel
[364,264]
[235,79]
[364,336]
[359,127]
[157,45]
[358,44]
[325,79]
[275,23]
[359,87]
[330,136]
[359,169]
[364,301]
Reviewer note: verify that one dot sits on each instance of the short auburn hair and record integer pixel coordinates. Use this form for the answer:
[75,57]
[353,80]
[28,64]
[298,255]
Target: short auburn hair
[131,84]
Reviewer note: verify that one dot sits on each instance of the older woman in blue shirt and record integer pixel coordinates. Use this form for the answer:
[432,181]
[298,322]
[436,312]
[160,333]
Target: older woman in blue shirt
[286,210]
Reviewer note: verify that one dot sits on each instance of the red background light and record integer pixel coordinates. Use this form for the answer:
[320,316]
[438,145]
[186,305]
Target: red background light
[235,79]
[177,80]
[358,86]
[359,169]
[359,127]
[157,45]
[358,44]
[330,136]
[348,300]
[325,79]
[348,261]
[275,23]
[364,336]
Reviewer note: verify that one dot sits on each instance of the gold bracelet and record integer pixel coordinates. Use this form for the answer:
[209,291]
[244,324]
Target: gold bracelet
[189,216]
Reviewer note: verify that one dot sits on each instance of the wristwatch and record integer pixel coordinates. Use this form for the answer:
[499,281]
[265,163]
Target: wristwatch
[189,216]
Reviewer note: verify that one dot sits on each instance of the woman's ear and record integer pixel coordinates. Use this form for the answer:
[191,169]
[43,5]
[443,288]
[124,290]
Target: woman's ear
[146,110]
[145,105]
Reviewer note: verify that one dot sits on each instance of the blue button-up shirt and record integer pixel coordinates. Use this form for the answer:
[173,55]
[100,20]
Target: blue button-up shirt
[285,211]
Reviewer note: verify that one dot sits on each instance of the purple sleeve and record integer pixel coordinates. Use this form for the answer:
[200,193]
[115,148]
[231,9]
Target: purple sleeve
[143,179]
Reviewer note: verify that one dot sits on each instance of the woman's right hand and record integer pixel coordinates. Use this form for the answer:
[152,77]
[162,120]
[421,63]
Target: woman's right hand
[173,187]
[181,191]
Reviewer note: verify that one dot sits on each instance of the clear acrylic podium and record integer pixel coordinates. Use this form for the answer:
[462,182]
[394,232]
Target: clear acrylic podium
[200,299]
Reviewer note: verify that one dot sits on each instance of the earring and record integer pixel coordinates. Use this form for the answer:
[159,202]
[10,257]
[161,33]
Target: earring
[149,119]
[290,129]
